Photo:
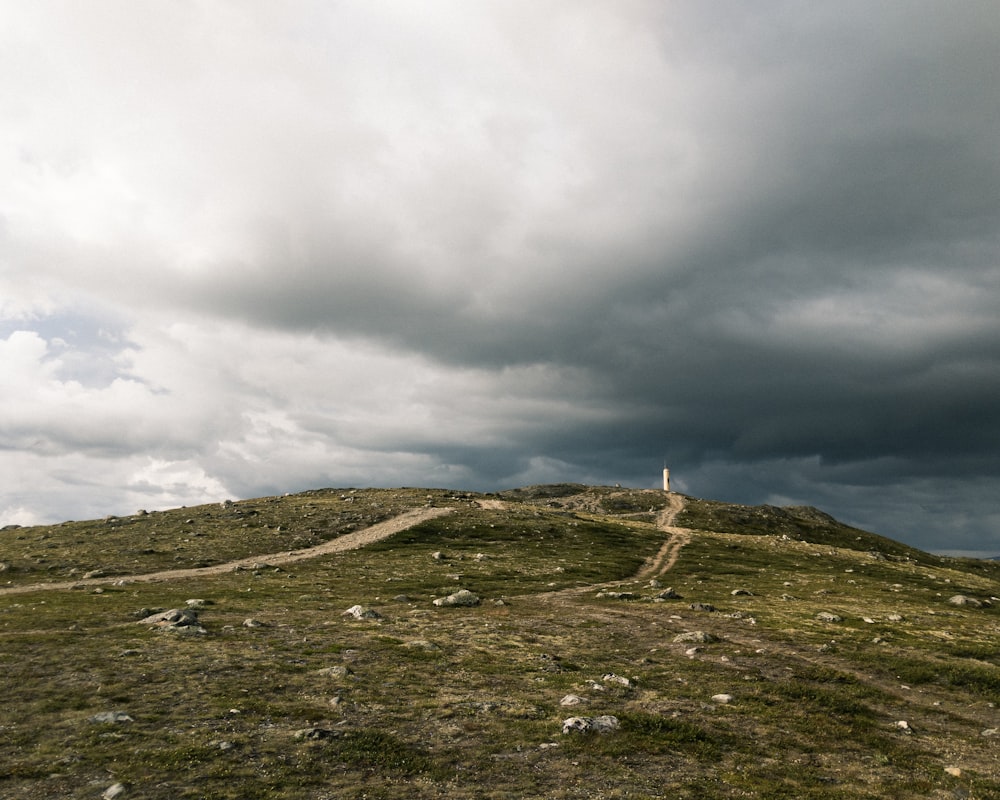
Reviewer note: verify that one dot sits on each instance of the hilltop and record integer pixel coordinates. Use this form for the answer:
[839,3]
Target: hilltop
[291,647]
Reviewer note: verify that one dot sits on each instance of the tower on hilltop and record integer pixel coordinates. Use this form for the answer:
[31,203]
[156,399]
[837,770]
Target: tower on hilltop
[666,479]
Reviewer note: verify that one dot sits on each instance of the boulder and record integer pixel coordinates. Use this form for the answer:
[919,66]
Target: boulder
[696,637]
[360,612]
[338,671]
[962,600]
[826,616]
[179,620]
[111,716]
[463,597]
[619,595]
[315,734]
[602,724]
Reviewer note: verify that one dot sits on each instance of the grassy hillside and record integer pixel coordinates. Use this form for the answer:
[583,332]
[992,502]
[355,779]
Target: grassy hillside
[833,664]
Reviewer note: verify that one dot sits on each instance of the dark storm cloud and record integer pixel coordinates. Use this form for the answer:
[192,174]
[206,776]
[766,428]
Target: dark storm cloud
[817,280]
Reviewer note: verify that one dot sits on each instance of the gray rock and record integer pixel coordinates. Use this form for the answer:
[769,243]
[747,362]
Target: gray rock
[701,607]
[111,716]
[571,700]
[463,597]
[962,600]
[610,677]
[741,593]
[696,637]
[114,791]
[722,698]
[668,594]
[826,616]
[360,612]
[602,724]
[336,672]
[619,595]
[315,734]
[250,622]
[179,620]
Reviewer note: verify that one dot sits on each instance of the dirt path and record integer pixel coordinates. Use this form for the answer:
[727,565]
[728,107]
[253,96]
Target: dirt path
[653,567]
[667,557]
[350,541]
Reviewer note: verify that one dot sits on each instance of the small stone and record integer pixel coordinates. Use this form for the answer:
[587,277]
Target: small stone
[668,594]
[701,607]
[904,726]
[955,772]
[741,593]
[722,698]
[610,677]
[113,791]
[571,700]
[250,622]
[990,732]
[826,616]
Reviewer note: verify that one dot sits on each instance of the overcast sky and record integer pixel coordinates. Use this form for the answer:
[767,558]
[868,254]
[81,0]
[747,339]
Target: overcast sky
[252,247]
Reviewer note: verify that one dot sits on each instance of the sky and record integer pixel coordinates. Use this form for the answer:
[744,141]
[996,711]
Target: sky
[249,248]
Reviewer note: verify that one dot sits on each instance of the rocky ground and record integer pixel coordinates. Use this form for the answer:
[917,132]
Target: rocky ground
[545,642]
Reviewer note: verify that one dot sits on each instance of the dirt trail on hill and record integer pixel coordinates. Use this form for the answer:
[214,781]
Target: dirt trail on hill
[350,541]
[667,557]
[655,566]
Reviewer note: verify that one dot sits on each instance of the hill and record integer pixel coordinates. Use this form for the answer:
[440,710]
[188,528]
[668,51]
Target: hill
[291,647]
